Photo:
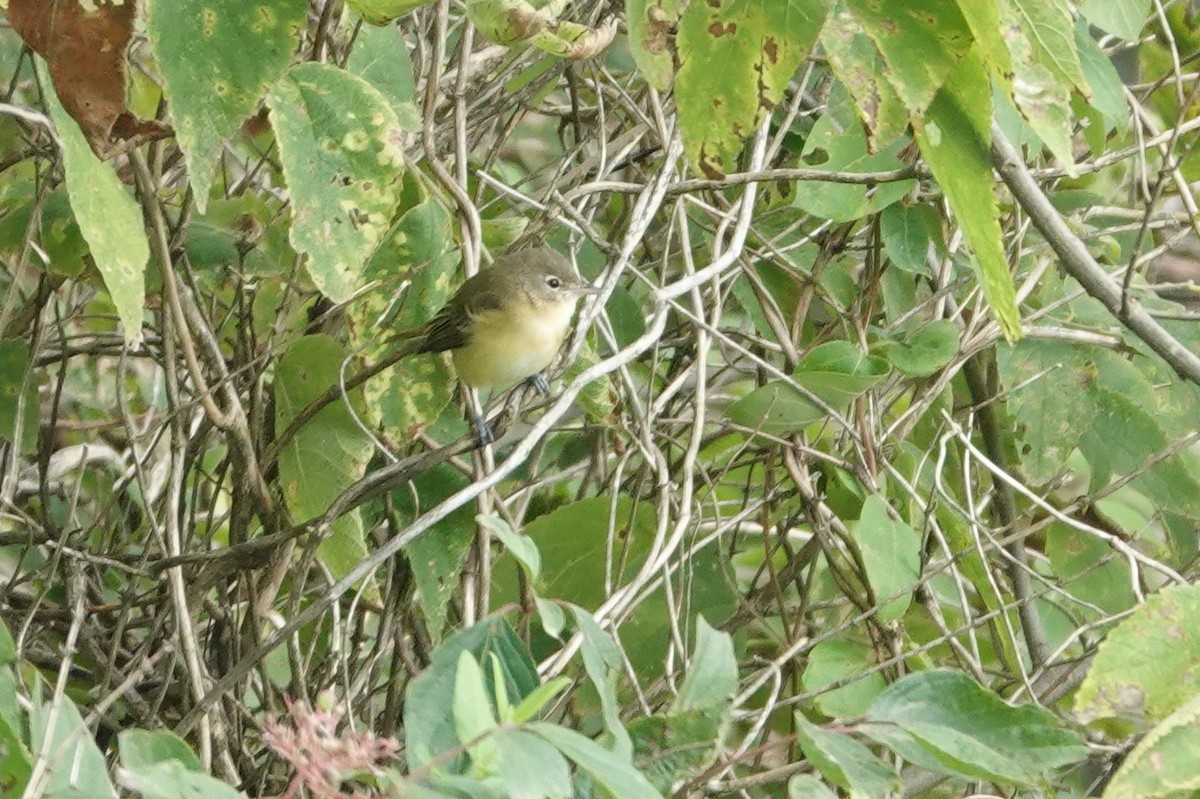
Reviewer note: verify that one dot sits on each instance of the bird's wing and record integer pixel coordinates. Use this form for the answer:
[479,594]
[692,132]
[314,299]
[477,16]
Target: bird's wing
[450,327]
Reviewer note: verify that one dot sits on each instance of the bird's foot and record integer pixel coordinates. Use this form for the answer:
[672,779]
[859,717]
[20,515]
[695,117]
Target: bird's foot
[539,384]
[483,430]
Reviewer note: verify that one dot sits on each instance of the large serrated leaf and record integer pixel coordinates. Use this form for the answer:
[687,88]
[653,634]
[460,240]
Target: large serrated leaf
[1041,40]
[340,146]
[758,45]
[857,63]
[217,59]
[922,41]
[952,137]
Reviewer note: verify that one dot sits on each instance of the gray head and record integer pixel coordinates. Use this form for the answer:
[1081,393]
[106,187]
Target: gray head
[543,275]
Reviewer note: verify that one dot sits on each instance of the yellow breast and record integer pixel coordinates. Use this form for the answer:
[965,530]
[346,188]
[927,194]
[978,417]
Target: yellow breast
[506,347]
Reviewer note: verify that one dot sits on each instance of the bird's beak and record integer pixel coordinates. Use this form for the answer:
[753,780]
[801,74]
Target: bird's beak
[584,288]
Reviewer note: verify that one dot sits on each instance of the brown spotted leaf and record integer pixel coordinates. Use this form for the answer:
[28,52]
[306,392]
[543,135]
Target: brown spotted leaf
[84,44]
[735,60]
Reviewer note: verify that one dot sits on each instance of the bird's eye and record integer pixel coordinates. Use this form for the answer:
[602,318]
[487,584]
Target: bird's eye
[553,282]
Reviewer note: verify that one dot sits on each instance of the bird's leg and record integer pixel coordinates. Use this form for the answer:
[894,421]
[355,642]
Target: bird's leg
[477,412]
[483,431]
[538,381]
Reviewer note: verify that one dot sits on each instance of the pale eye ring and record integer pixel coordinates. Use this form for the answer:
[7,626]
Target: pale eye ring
[553,282]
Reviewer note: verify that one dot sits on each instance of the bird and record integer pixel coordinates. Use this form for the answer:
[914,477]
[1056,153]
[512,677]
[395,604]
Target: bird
[505,324]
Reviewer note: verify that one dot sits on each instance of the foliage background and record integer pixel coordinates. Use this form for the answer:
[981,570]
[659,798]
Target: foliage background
[872,472]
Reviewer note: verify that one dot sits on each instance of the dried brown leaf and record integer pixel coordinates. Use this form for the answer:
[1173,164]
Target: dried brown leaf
[84,44]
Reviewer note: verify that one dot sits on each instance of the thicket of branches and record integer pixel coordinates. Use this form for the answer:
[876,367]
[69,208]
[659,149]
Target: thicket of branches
[872,470]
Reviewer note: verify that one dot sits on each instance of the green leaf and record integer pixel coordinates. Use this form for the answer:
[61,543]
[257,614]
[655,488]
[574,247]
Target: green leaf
[472,710]
[171,779]
[891,553]
[340,147]
[836,660]
[1043,377]
[970,731]
[380,57]
[908,231]
[572,543]
[529,767]
[380,12]
[712,674]
[924,351]
[18,398]
[415,268]
[1045,28]
[141,748]
[501,232]
[806,786]
[16,761]
[839,372]
[757,44]
[1089,569]
[856,62]
[110,220]
[539,698]
[217,59]
[552,616]
[8,647]
[76,768]
[578,562]
[650,23]
[1148,665]
[845,762]
[1163,764]
[983,18]
[58,233]
[1107,89]
[672,748]
[436,557]
[922,42]
[521,546]
[836,372]
[845,149]
[776,409]
[1124,18]
[1041,40]
[604,666]
[688,738]
[510,22]
[429,729]
[615,773]
[1125,435]
[953,140]
[328,453]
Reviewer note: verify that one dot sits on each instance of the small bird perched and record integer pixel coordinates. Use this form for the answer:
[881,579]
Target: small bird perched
[506,323]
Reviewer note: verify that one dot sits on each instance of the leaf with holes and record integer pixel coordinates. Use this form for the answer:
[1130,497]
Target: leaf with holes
[757,44]
[339,142]
[217,59]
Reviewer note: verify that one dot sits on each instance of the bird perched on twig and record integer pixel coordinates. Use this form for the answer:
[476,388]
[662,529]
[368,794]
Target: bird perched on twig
[506,323]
